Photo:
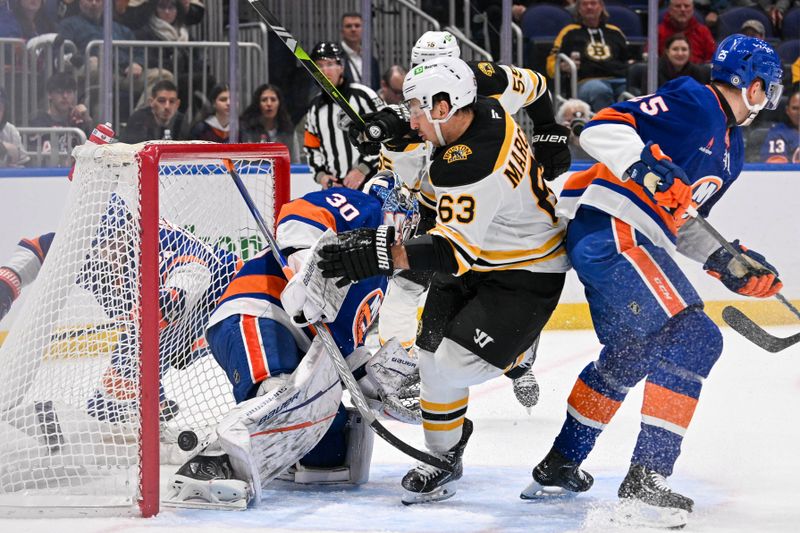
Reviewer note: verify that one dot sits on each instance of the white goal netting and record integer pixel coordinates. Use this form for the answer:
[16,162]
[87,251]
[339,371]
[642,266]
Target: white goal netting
[70,420]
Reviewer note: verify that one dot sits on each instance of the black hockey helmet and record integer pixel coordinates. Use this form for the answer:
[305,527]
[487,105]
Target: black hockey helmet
[327,50]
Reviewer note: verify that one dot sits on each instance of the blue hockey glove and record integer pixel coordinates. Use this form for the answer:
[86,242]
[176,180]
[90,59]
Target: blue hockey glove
[759,280]
[360,254]
[9,290]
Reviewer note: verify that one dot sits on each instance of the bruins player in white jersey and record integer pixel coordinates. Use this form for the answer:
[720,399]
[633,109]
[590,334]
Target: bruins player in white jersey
[408,156]
[496,249]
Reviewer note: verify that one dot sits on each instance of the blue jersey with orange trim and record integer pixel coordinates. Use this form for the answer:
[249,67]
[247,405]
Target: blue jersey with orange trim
[781,145]
[689,122]
[256,288]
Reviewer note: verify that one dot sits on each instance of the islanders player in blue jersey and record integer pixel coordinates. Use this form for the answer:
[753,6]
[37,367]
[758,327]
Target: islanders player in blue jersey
[193,276]
[658,154]
[289,420]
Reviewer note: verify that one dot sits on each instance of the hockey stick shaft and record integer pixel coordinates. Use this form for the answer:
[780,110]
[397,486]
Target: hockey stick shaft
[309,64]
[333,350]
[737,254]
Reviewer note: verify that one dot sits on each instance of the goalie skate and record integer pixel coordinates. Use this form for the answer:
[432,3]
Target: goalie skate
[206,482]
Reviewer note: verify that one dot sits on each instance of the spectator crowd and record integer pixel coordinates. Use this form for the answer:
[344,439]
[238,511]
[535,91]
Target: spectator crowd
[602,44]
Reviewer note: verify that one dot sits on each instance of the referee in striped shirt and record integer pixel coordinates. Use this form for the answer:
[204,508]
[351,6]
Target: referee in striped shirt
[331,156]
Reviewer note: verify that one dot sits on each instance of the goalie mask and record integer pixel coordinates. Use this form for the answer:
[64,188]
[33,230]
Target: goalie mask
[400,208]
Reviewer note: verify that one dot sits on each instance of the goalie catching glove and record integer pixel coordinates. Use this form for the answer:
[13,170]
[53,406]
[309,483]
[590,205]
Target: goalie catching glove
[551,147]
[360,254]
[760,279]
[663,180]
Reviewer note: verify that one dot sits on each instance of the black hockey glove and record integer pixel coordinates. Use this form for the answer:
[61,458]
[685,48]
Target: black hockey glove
[360,254]
[551,147]
[391,122]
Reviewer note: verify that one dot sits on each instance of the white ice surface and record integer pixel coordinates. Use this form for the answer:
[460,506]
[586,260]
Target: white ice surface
[740,462]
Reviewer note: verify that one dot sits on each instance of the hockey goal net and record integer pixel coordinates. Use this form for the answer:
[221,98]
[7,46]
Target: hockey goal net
[106,364]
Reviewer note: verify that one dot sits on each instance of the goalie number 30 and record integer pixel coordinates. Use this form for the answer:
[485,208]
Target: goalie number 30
[461,208]
[346,209]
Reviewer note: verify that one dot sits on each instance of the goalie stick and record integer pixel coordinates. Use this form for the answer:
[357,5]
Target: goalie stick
[333,350]
[736,319]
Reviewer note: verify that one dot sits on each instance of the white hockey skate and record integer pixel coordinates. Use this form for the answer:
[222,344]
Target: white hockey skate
[206,482]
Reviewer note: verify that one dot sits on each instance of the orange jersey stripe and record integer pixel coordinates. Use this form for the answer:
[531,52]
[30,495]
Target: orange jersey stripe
[311,141]
[36,246]
[609,113]
[660,286]
[591,404]
[305,209]
[670,406]
[623,233]
[256,283]
[256,357]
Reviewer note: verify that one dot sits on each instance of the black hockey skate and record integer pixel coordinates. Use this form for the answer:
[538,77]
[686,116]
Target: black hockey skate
[647,501]
[426,483]
[556,476]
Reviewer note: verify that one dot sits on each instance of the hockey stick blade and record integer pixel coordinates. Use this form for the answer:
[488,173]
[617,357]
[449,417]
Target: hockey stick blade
[754,333]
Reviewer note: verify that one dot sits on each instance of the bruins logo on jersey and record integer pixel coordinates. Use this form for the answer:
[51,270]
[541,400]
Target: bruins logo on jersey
[486,68]
[599,51]
[458,152]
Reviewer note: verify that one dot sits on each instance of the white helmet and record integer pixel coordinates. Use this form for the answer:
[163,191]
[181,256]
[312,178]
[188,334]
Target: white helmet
[433,44]
[448,75]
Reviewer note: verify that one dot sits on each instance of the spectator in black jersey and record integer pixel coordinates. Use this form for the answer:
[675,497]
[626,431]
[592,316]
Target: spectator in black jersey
[331,156]
[599,50]
[214,126]
[161,120]
[266,120]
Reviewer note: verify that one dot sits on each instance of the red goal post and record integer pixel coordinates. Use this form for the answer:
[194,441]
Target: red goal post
[98,382]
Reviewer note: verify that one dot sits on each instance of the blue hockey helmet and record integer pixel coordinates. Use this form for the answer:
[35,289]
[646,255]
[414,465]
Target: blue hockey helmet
[739,60]
[400,208]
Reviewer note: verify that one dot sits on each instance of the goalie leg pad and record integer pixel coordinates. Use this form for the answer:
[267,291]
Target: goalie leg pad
[355,470]
[266,435]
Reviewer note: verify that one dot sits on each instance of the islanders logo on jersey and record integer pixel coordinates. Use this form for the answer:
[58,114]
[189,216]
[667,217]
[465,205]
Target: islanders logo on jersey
[486,68]
[458,152]
[366,312]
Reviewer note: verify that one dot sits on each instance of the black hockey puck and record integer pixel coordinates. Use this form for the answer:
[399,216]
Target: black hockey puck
[187,441]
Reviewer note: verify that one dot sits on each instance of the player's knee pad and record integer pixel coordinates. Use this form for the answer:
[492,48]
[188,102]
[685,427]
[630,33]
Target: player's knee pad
[692,342]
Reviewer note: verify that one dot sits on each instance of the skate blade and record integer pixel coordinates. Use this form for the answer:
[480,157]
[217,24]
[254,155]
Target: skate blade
[240,505]
[444,492]
[639,514]
[537,491]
